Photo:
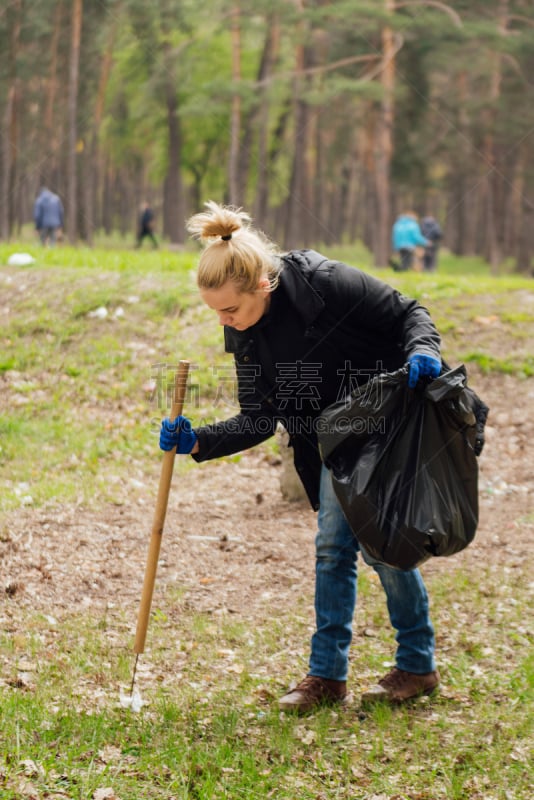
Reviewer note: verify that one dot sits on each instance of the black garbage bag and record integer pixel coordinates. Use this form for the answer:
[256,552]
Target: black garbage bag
[404,464]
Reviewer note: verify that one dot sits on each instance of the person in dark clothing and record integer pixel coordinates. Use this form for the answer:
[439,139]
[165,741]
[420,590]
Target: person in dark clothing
[146,225]
[431,230]
[304,332]
[48,216]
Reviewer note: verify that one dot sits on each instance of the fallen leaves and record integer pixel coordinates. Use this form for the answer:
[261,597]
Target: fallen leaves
[65,561]
[105,794]
[31,769]
[491,319]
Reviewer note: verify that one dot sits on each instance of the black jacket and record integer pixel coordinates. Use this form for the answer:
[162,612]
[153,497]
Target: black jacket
[330,327]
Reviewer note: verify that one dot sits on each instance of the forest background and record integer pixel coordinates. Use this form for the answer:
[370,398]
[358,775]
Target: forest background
[324,119]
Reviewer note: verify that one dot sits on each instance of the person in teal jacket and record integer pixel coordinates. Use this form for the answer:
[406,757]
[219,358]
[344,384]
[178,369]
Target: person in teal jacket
[406,236]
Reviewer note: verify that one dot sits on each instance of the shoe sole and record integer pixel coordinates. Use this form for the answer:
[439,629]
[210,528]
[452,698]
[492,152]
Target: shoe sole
[296,709]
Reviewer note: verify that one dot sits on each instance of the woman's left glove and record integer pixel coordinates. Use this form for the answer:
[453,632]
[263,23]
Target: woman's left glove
[420,365]
[177,433]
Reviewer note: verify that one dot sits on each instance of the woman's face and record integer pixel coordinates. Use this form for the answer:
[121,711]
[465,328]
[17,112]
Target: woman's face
[237,309]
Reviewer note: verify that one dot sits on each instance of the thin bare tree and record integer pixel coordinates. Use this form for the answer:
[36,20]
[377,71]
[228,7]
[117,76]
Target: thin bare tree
[9,143]
[72,160]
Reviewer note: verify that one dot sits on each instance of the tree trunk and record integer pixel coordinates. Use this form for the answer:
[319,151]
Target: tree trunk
[322,183]
[174,202]
[51,126]
[8,162]
[9,150]
[269,58]
[525,248]
[525,239]
[298,203]
[384,144]
[368,192]
[323,180]
[276,148]
[352,226]
[74,77]
[514,206]
[107,209]
[295,235]
[328,181]
[234,188]
[92,180]
[460,210]
[490,156]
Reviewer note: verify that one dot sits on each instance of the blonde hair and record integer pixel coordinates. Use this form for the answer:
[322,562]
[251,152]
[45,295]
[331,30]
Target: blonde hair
[233,250]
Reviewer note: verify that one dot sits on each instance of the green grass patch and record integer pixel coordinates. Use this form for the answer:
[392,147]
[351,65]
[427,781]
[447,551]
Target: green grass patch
[210,726]
[508,366]
[103,259]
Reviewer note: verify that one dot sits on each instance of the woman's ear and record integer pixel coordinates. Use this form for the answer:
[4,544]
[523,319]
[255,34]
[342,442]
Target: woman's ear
[264,284]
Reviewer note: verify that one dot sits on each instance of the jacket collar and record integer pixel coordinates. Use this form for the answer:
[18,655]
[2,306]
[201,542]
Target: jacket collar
[298,268]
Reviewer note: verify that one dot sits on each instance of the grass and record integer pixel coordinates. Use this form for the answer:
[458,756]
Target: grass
[71,372]
[210,728]
[68,369]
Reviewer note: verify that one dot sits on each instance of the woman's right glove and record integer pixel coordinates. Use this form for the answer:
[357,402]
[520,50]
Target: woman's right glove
[177,433]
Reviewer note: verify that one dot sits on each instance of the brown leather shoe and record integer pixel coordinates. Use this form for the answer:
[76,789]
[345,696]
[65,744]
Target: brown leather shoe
[313,692]
[398,686]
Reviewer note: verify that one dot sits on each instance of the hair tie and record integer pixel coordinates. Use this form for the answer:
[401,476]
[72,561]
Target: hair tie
[226,237]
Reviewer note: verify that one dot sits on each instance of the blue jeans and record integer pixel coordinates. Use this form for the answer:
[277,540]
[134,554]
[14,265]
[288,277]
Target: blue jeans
[335,598]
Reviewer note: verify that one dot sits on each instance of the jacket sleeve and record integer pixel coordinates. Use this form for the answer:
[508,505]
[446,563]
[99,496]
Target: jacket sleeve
[363,302]
[256,420]
[240,432]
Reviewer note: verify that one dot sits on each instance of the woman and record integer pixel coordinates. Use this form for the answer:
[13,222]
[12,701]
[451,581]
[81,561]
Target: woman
[305,331]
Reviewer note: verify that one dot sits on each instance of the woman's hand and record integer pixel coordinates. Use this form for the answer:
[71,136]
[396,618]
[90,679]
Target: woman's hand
[178,433]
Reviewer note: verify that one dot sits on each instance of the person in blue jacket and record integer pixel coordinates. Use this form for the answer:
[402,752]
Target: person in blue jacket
[48,216]
[304,330]
[406,236]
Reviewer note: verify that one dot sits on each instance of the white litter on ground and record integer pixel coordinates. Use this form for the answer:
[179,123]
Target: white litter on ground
[132,701]
[99,313]
[20,260]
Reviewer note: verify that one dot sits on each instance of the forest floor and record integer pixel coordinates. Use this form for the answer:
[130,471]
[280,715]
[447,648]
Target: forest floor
[232,610]
[231,541]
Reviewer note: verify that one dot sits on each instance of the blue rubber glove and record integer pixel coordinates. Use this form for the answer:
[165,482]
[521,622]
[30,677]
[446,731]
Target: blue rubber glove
[420,365]
[177,433]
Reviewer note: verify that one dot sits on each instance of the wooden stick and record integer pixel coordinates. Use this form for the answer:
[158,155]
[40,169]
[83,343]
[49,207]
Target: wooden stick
[159,516]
